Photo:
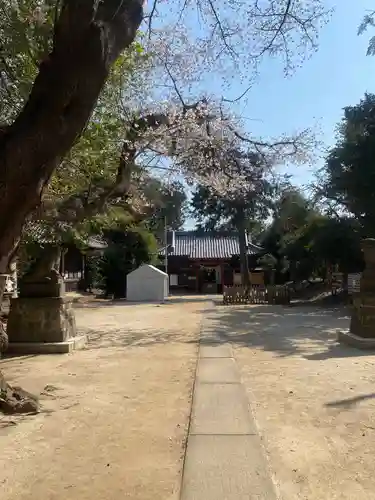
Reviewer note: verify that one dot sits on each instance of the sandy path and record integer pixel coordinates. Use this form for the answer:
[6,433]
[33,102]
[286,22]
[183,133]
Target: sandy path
[116,414]
[314,400]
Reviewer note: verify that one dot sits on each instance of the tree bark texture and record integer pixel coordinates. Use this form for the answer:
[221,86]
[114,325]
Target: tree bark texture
[245,274]
[89,36]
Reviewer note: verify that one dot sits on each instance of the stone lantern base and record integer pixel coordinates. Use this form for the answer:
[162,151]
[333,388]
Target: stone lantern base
[350,339]
[362,324]
[42,325]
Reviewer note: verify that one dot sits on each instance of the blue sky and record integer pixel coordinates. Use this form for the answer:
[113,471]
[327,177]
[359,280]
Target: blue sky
[337,75]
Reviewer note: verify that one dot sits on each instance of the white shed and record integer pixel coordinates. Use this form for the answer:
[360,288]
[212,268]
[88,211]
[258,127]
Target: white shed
[147,284]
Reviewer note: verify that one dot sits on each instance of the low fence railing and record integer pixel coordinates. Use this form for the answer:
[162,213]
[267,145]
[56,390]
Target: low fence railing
[239,294]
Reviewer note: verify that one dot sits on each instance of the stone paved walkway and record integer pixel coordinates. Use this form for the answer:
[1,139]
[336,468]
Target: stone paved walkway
[225,459]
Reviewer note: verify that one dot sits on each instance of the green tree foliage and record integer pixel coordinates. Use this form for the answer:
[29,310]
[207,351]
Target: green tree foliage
[127,250]
[348,178]
[26,29]
[368,22]
[335,241]
[305,242]
[291,212]
[169,203]
[251,201]
[213,211]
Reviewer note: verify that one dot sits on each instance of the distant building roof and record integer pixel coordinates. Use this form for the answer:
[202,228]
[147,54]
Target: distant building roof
[96,243]
[206,245]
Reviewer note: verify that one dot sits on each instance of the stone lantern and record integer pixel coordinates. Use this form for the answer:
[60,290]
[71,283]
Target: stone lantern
[41,319]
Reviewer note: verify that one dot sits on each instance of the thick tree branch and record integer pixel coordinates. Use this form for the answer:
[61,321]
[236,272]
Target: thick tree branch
[81,206]
[89,37]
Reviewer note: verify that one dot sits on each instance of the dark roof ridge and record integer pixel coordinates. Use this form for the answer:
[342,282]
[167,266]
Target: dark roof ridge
[207,244]
[205,233]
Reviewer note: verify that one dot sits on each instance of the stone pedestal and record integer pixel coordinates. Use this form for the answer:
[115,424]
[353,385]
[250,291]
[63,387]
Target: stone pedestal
[46,319]
[362,323]
[53,287]
[41,319]
[42,325]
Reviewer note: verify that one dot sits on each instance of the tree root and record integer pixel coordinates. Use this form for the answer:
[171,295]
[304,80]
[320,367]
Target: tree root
[14,400]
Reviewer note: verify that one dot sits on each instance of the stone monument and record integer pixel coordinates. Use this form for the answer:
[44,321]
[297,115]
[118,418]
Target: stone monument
[362,324]
[41,319]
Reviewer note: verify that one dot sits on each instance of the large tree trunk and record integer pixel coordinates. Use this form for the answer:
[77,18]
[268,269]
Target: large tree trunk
[241,226]
[88,38]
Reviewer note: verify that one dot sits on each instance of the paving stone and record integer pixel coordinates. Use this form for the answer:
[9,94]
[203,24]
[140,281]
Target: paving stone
[226,468]
[219,370]
[217,351]
[221,409]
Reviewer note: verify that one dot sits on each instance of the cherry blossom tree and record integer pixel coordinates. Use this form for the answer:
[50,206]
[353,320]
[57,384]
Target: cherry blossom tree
[70,46]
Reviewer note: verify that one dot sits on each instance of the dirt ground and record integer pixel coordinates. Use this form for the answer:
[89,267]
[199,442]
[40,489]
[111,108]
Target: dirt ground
[314,400]
[115,415]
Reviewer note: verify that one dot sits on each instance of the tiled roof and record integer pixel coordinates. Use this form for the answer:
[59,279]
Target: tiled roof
[96,243]
[207,245]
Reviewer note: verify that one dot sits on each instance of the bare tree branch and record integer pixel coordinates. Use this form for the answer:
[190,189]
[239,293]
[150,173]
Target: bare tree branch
[151,16]
[175,85]
[221,29]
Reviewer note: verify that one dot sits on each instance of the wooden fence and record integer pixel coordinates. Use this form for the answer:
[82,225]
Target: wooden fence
[239,294]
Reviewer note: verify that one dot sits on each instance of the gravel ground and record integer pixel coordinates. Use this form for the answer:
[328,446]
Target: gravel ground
[115,415]
[312,398]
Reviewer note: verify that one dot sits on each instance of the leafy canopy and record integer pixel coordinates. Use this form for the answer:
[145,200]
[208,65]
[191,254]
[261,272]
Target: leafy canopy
[349,172]
[305,242]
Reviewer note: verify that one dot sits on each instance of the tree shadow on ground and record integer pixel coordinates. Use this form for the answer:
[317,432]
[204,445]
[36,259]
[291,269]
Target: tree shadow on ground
[305,331]
[122,337]
[102,303]
[350,402]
